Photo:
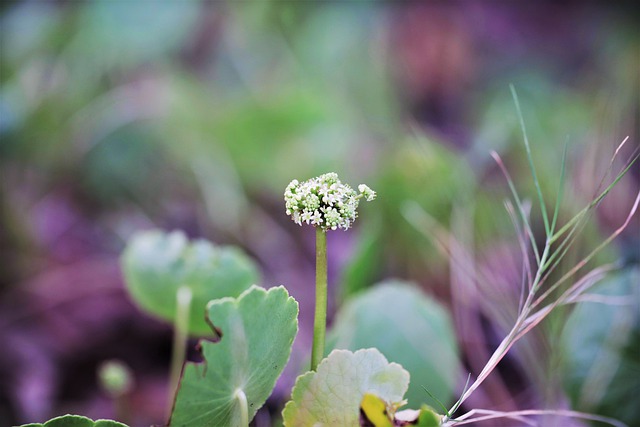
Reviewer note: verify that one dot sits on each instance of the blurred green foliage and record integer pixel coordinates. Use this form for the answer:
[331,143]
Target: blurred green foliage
[601,342]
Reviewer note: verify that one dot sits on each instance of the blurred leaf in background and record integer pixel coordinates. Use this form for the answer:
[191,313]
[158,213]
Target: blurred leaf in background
[408,328]
[601,344]
[156,265]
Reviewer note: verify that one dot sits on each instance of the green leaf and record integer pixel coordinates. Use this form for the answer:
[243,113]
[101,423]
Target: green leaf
[424,417]
[408,328]
[75,421]
[332,395]
[428,417]
[106,423]
[258,329]
[602,350]
[157,264]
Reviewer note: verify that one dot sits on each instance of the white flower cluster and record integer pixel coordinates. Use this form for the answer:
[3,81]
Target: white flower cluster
[324,202]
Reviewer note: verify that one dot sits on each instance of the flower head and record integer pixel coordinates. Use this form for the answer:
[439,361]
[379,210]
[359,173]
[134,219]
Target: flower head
[324,202]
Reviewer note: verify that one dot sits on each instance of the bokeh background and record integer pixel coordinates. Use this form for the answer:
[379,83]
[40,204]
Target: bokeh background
[123,115]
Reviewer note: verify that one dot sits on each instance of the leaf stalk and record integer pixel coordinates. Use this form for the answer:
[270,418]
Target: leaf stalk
[244,408]
[184,296]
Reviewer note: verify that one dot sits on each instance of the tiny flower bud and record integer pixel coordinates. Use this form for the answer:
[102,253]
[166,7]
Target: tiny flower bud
[115,378]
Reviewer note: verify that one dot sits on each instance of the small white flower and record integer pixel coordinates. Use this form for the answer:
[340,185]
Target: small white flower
[296,218]
[316,218]
[333,198]
[323,191]
[306,216]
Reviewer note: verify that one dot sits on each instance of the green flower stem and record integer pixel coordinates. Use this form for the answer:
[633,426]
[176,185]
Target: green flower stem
[244,409]
[320,319]
[122,408]
[180,336]
[116,380]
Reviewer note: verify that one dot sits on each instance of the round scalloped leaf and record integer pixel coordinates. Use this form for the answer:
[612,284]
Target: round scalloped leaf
[408,328]
[75,421]
[258,330]
[332,395]
[157,264]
